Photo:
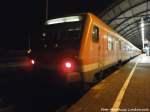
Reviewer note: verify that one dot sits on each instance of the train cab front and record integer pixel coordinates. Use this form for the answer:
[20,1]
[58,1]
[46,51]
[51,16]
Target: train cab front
[58,48]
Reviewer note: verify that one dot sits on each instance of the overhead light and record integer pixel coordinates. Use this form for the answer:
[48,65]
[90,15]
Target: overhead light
[64,19]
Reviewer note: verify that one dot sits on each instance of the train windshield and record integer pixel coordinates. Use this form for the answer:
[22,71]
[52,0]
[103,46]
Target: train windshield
[63,33]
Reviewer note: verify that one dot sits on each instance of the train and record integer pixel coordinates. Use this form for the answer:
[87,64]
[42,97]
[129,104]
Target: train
[78,47]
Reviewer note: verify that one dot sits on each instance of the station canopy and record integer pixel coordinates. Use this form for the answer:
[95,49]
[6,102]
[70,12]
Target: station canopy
[125,16]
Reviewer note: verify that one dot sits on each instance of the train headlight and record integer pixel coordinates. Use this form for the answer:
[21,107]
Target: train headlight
[32,61]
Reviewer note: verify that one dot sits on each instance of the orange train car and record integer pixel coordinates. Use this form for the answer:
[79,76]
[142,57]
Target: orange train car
[78,47]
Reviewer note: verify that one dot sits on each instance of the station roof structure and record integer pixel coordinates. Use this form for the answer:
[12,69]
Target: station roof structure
[124,16]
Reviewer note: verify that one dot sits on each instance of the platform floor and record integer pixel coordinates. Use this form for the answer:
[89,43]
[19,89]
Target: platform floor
[127,89]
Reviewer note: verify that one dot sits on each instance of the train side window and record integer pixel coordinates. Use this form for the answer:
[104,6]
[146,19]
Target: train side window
[95,34]
[120,45]
[110,43]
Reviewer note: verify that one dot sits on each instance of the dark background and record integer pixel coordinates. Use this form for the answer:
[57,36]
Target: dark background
[23,19]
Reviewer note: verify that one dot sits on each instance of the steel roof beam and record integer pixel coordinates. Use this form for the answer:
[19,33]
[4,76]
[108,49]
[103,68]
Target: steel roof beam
[129,19]
[135,39]
[126,32]
[132,33]
[131,36]
[132,7]
[126,26]
[137,21]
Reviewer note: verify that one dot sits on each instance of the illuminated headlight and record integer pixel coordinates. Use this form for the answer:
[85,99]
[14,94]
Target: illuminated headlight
[32,61]
[63,20]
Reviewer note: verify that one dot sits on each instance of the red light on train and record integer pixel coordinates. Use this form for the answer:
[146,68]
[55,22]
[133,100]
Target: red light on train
[68,65]
[28,64]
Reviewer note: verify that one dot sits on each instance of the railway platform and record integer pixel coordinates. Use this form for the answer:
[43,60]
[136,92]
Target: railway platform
[126,89]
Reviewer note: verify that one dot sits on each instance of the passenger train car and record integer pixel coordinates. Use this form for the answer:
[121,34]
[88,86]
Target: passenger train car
[77,47]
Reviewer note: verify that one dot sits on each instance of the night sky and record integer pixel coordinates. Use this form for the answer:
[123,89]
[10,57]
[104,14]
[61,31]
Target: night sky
[21,19]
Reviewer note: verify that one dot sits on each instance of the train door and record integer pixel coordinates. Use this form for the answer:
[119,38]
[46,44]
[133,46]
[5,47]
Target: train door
[97,38]
[102,48]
